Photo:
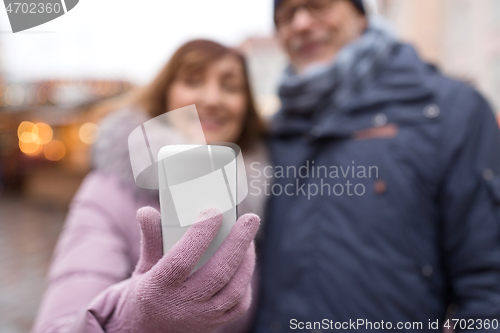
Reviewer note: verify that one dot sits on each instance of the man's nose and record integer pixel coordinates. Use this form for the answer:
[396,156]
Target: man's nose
[302,20]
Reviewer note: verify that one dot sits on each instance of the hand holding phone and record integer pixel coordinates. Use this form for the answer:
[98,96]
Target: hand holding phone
[216,294]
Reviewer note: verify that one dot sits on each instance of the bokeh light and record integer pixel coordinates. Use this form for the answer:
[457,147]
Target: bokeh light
[54,150]
[29,143]
[42,95]
[14,95]
[29,137]
[30,148]
[45,132]
[32,137]
[25,126]
[89,132]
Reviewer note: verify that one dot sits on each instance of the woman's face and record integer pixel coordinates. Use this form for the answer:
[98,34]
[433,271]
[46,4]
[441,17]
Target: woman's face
[218,92]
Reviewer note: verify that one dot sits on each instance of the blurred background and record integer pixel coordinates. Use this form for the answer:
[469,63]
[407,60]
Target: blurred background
[57,79]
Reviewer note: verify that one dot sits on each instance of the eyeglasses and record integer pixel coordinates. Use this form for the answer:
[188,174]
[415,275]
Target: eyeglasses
[284,14]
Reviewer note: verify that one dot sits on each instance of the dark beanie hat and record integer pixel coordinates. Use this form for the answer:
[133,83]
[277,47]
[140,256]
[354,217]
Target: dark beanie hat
[357,3]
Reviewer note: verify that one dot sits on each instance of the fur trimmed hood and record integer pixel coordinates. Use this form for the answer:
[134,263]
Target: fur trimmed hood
[110,152]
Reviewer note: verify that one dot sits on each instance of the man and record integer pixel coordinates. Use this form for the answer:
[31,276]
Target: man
[394,248]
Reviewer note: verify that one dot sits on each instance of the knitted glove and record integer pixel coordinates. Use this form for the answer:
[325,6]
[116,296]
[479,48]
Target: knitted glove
[162,296]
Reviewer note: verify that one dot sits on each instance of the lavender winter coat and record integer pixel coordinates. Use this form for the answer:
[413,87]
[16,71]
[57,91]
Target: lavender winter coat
[99,245]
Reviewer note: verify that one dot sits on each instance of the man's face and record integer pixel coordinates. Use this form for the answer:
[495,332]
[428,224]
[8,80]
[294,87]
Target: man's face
[313,31]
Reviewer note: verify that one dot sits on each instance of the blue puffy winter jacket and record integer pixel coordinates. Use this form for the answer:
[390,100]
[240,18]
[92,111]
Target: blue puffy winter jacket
[399,244]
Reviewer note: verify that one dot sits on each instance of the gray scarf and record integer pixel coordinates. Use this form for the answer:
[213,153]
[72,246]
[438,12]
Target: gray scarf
[354,68]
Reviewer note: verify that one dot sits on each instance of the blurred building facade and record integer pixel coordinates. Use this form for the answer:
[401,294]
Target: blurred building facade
[462,37]
[46,131]
[266,62]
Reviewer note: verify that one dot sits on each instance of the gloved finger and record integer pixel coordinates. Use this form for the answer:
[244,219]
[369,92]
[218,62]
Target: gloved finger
[239,309]
[235,290]
[219,269]
[178,263]
[151,242]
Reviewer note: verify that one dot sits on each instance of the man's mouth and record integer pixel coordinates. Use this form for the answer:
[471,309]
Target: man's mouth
[310,49]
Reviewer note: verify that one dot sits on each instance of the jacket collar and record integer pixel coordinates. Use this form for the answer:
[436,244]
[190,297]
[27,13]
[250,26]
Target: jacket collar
[403,80]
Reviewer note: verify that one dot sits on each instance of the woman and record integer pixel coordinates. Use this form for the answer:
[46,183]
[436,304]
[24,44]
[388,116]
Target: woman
[103,278]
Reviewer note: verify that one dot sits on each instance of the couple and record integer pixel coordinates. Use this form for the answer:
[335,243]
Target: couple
[423,238]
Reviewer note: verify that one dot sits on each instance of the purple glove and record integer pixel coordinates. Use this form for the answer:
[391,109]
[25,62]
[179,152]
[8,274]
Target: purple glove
[162,296]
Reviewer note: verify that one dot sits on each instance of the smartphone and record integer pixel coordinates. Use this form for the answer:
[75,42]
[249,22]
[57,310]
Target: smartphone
[193,178]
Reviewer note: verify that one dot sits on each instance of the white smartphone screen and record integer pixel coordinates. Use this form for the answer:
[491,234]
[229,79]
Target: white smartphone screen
[193,178]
